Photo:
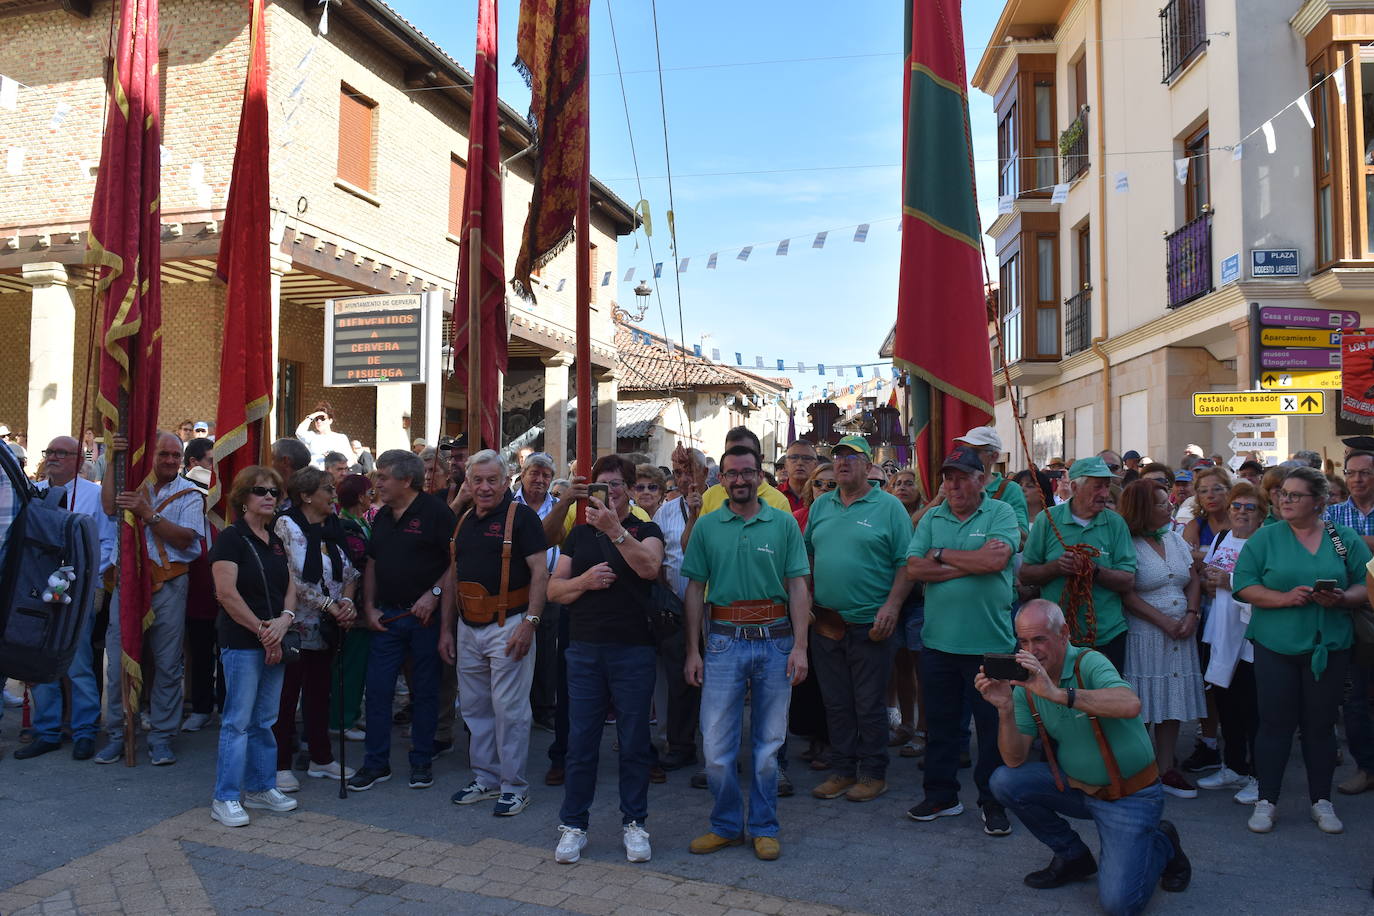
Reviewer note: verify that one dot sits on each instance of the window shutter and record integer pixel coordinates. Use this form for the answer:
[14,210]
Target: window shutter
[355,139]
[457,179]
[591,293]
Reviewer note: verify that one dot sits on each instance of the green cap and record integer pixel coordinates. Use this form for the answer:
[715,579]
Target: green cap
[856,443]
[1090,467]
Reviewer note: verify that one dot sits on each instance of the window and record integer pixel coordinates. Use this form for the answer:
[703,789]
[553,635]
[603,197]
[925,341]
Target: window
[357,116]
[1198,187]
[1322,172]
[289,376]
[1008,154]
[1085,256]
[1367,145]
[595,276]
[1080,81]
[1047,296]
[457,187]
[1183,34]
[1009,305]
[1046,155]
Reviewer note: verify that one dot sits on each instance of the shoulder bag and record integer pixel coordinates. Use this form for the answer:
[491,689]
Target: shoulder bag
[291,640]
[1362,616]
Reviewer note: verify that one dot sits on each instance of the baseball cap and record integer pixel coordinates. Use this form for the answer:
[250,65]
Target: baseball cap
[1183,476]
[1363,443]
[856,444]
[1090,467]
[201,425]
[981,436]
[1132,455]
[964,458]
[449,443]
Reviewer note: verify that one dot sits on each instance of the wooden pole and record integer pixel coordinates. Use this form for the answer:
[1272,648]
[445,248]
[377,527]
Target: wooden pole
[121,479]
[585,396]
[474,345]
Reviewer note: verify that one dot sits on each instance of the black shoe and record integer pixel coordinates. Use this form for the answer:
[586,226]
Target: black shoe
[676,760]
[698,779]
[1060,873]
[785,787]
[1203,758]
[368,777]
[302,760]
[37,749]
[656,775]
[442,747]
[401,716]
[83,749]
[421,777]
[1178,871]
[995,822]
[554,777]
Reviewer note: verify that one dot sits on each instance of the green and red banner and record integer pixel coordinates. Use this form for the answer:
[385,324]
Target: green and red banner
[942,322]
[246,361]
[124,250]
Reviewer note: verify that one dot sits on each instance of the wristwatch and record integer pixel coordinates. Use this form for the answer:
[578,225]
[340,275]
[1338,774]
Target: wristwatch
[154,518]
[532,619]
[938,554]
[437,592]
[621,540]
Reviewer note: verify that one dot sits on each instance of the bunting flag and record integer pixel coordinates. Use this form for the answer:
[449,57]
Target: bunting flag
[124,248]
[859,370]
[758,362]
[682,265]
[1306,111]
[782,247]
[711,261]
[801,367]
[941,261]
[820,240]
[1339,80]
[820,369]
[861,233]
[658,270]
[1269,140]
[744,253]
[739,361]
[629,275]
[715,355]
[561,283]
[482,211]
[780,367]
[552,52]
[696,350]
[606,278]
[246,362]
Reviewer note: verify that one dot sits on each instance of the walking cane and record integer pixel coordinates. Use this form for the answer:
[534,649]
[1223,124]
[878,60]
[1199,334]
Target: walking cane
[343,739]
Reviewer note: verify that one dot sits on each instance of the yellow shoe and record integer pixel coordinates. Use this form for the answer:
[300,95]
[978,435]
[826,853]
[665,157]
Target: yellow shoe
[866,789]
[834,787]
[767,848]
[713,842]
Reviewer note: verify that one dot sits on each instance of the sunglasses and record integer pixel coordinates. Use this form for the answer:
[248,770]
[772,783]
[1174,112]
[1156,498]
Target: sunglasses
[824,484]
[1245,507]
[646,488]
[266,491]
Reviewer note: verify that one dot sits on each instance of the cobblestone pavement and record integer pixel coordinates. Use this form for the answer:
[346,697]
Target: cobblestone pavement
[89,839]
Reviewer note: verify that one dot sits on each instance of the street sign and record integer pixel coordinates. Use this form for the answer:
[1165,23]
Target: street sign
[1299,337]
[371,340]
[1257,403]
[1265,427]
[1320,378]
[1235,462]
[1230,269]
[1300,359]
[1276,316]
[1254,445]
[1274,262]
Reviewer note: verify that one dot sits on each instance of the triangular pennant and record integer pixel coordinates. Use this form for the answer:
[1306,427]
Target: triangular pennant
[744,253]
[715,355]
[606,278]
[859,370]
[1181,169]
[821,368]
[1269,139]
[1306,111]
[711,261]
[782,247]
[658,270]
[861,233]
[682,265]
[820,239]
[801,367]
[739,361]
[758,362]
[780,367]
[629,275]
[1339,79]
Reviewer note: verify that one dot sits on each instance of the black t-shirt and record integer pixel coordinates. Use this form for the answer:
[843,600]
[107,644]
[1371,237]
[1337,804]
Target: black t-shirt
[411,553]
[618,614]
[237,544]
[477,554]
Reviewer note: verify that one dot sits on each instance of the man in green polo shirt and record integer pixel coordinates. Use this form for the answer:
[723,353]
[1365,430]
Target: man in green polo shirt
[751,558]
[857,537]
[962,549]
[1072,689]
[989,447]
[1085,519]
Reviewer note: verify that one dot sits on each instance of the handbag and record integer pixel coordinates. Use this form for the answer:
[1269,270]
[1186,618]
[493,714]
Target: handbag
[662,604]
[291,640]
[1363,616]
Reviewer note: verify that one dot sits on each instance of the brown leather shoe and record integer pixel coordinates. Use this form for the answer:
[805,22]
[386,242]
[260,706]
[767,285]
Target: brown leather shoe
[866,789]
[767,848]
[713,842]
[657,775]
[834,787]
[554,777]
[1360,781]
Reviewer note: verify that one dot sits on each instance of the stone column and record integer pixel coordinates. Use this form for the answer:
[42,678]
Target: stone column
[393,408]
[279,265]
[556,408]
[606,391]
[52,339]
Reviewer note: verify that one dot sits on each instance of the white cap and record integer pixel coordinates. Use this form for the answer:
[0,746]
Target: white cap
[1193,450]
[4,430]
[982,436]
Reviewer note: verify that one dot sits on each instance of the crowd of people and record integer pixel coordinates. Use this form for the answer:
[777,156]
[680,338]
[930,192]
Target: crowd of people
[1074,618]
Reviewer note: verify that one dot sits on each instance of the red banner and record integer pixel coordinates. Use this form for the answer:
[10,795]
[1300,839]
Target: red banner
[1357,376]
[124,249]
[245,368]
[482,211]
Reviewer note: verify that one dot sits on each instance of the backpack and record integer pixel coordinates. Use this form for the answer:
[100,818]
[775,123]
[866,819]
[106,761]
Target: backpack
[39,638]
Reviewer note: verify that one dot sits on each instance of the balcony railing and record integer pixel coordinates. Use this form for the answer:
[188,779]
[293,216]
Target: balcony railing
[1073,146]
[1078,321]
[1183,33]
[1189,266]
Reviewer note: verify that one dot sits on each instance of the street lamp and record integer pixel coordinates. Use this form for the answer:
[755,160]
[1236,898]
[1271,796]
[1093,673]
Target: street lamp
[446,359]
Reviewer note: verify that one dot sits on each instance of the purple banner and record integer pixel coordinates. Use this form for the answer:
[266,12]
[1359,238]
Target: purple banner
[1300,359]
[1308,318]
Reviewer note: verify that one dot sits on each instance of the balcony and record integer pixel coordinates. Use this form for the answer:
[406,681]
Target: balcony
[1078,321]
[1183,34]
[1073,146]
[1189,265]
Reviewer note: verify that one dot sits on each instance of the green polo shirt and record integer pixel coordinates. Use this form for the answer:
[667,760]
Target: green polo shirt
[1274,558]
[1077,753]
[969,615]
[1109,534]
[1013,496]
[856,550]
[746,559]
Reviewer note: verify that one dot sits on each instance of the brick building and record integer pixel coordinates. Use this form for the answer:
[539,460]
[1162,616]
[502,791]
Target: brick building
[369,126]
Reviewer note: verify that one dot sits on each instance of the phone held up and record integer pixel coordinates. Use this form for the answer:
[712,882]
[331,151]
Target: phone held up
[1004,667]
[1325,585]
[601,491]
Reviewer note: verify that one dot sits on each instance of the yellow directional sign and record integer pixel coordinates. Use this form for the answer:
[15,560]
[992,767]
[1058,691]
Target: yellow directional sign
[1273,379]
[1299,337]
[1257,403]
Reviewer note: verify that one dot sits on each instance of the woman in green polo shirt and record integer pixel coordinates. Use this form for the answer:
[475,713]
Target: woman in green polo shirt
[1301,578]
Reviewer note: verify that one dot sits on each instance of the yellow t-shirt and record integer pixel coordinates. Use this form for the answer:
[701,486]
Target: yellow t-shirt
[716,496]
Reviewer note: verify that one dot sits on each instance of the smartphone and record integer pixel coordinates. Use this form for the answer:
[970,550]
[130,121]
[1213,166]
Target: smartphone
[601,491]
[1325,585]
[1003,667]
[1054,475]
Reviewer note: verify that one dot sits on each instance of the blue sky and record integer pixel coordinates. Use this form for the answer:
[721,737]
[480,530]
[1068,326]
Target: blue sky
[800,104]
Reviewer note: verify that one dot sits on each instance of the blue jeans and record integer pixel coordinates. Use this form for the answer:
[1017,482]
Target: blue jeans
[386,652]
[47,698]
[947,680]
[247,751]
[600,677]
[734,666]
[1134,849]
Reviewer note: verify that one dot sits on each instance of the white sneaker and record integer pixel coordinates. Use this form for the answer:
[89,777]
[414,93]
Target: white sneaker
[229,813]
[287,781]
[330,770]
[894,716]
[195,722]
[571,842]
[637,843]
[1326,819]
[272,800]
[355,734]
[1262,820]
[1249,794]
[13,701]
[1222,779]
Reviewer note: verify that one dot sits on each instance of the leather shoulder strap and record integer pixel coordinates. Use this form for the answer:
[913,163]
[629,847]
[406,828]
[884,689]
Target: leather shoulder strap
[1045,742]
[1113,770]
[158,542]
[501,598]
[1001,488]
[453,541]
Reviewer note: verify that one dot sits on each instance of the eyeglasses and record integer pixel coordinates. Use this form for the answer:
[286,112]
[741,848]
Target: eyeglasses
[801,458]
[824,484]
[1211,491]
[266,491]
[613,484]
[372,492]
[1245,507]
[746,474]
[1290,496]
[57,453]
[849,456]
[646,488]
[1113,467]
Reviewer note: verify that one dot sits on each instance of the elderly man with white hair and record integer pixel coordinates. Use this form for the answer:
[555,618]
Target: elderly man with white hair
[501,578]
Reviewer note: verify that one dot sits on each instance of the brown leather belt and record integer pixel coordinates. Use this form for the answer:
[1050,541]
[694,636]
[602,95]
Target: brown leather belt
[827,622]
[1142,780]
[479,609]
[746,612]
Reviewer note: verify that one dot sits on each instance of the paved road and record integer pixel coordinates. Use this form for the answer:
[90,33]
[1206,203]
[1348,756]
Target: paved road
[90,839]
